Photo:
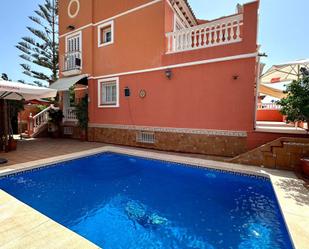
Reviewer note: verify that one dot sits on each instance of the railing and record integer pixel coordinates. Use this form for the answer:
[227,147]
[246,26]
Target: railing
[72,61]
[268,106]
[70,114]
[42,118]
[37,121]
[216,33]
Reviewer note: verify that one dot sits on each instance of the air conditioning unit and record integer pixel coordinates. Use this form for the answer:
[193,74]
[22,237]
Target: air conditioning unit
[67,130]
[78,62]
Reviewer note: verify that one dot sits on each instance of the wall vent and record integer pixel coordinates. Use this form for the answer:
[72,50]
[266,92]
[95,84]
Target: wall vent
[145,137]
[68,130]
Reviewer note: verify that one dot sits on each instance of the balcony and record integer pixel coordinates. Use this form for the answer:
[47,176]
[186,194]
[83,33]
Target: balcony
[216,33]
[72,63]
[69,114]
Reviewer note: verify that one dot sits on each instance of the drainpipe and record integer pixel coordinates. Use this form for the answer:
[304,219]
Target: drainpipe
[257,88]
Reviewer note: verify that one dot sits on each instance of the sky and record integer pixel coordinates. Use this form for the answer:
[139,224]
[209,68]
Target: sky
[283,29]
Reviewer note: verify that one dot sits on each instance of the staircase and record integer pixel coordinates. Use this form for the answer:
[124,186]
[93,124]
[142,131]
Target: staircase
[283,153]
[38,123]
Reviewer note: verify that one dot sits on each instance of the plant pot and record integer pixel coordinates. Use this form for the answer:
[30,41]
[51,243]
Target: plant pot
[56,134]
[83,135]
[305,166]
[12,144]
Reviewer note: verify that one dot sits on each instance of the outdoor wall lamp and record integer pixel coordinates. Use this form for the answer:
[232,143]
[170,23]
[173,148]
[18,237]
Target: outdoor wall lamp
[262,55]
[70,27]
[127,92]
[168,73]
[235,77]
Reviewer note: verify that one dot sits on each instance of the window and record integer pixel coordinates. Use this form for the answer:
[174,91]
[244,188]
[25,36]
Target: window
[106,34]
[73,52]
[108,92]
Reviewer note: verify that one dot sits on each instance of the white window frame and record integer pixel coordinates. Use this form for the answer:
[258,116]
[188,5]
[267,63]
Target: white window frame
[80,34]
[108,80]
[102,26]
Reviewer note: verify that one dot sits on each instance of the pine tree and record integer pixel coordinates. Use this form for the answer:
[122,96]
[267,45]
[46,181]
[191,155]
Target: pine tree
[40,50]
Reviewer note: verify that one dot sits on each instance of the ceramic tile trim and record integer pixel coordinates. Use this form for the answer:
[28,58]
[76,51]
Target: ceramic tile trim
[299,233]
[208,132]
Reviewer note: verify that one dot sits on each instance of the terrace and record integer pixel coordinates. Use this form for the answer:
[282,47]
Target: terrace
[215,33]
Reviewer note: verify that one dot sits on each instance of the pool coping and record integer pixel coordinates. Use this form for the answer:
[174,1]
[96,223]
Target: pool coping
[295,214]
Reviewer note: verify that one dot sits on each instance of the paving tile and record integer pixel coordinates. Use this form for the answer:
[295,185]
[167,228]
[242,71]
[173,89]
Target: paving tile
[15,219]
[23,227]
[299,230]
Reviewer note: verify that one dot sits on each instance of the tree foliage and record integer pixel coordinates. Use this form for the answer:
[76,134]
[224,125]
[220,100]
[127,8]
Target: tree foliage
[40,50]
[82,113]
[296,105]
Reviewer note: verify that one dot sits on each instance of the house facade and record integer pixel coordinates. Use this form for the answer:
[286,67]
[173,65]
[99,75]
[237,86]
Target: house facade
[158,77]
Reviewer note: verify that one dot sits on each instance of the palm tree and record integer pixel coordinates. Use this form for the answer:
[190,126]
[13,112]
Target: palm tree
[40,50]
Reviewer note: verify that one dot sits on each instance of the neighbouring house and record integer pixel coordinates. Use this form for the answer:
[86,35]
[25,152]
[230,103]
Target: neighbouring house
[158,77]
[272,88]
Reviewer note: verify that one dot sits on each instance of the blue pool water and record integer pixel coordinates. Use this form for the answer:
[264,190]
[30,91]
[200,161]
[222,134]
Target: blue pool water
[126,202]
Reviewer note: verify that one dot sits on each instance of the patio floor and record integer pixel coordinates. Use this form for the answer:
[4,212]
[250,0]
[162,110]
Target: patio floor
[41,148]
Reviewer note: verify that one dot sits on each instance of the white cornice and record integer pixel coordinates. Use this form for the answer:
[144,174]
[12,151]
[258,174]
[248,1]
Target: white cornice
[187,64]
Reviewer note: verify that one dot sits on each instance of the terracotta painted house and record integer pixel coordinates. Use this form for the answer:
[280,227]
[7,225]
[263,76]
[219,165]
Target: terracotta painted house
[158,77]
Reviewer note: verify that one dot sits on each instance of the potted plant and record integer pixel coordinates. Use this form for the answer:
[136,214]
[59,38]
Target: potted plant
[82,116]
[55,119]
[12,144]
[305,166]
[295,107]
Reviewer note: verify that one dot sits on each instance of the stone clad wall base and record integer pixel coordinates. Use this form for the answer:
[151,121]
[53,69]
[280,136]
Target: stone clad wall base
[222,145]
[283,153]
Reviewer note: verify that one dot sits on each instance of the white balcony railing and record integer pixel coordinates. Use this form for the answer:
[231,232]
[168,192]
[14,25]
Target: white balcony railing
[70,114]
[216,33]
[72,61]
[268,106]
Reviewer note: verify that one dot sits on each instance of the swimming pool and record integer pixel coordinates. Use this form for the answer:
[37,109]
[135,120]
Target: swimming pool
[122,201]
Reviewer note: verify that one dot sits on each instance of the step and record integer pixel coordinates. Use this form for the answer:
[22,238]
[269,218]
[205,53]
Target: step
[283,130]
[273,124]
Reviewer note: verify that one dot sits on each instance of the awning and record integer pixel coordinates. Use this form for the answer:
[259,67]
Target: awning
[265,89]
[18,91]
[64,84]
[285,72]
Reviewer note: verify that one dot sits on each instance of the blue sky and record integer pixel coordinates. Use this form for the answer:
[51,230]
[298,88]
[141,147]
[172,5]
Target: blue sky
[283,31]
